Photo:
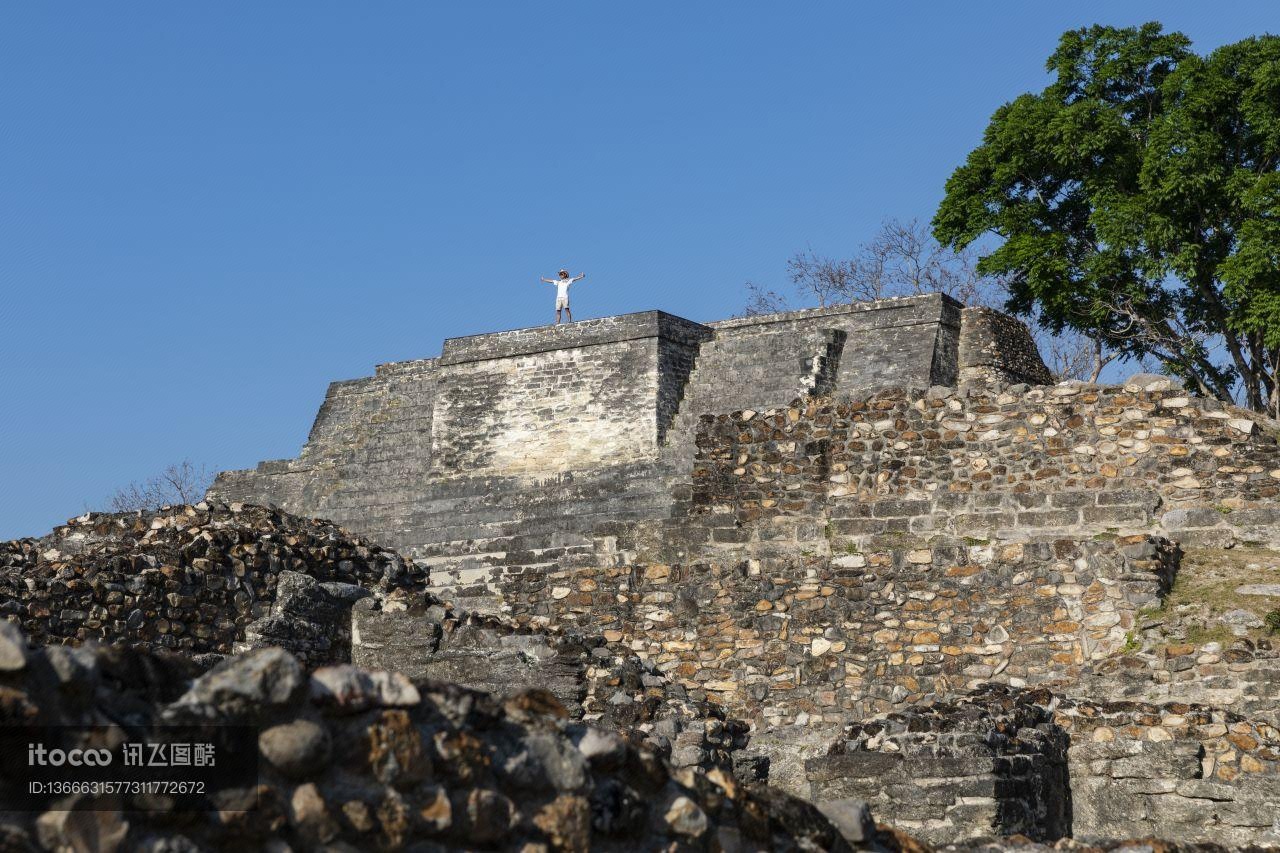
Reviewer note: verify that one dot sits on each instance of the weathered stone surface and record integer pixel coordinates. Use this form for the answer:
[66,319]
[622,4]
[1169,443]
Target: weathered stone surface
[297,749]
[980,465]
[999,761]
[454,769]
[308,616]
[852,817]
[809,642]
[994,763]
[588,676]
[197,579]
[100,831]
[75,671]
[243,688]
[1152,382]
[13,647]
[1268,589]
[995,347]
[349,689]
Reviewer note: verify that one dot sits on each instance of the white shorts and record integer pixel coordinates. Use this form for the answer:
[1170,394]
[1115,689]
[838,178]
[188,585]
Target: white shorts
[562,302]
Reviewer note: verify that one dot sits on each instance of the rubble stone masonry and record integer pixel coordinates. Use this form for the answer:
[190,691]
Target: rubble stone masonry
[857,514]
[987,464]
[821,639]
[999,761]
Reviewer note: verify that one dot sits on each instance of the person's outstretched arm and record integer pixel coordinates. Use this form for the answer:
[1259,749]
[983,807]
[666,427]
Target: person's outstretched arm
[547,280]
[579,277]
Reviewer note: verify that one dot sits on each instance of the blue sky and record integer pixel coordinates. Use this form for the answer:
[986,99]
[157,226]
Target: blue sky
[209,211]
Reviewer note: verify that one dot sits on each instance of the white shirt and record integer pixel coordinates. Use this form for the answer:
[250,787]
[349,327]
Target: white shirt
[562,286]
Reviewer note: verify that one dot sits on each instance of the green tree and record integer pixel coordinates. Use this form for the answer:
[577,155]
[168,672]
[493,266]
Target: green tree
[1136,200]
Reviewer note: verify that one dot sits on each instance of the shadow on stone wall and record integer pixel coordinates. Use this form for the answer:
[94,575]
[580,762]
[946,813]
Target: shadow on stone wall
[990,764]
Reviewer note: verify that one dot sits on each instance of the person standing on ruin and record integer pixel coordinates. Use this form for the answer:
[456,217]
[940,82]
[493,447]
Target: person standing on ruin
[562,283]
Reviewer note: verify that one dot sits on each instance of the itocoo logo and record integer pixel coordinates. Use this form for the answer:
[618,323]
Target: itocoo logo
[37,755]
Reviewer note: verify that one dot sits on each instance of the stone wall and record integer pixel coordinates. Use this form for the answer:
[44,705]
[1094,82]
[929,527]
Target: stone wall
[534,404]
[353,759]
[212,580]
[985,464]
[1244,678]
[988,765]
[603,683]
[644,325]
[1188,771]
[906,341]
[513,446]
[369,432]
[542,415]
[844,557]
[191,578]
[509,447]
[677,359]
[816,639]
[995,347]
[997,761]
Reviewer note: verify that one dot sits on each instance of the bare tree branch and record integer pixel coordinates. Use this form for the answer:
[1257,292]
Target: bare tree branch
[1183,349]
[904,259]
[1071,355]
[761,300]
[182,483]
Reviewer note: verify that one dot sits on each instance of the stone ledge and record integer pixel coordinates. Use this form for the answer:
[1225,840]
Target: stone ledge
[604,330]
[401,368]
[896,304]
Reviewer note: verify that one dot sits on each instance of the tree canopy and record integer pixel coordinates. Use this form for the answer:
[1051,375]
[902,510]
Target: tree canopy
[1136,200]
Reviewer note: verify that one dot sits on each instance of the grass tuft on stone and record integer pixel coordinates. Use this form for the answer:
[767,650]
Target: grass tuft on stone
[1208,579]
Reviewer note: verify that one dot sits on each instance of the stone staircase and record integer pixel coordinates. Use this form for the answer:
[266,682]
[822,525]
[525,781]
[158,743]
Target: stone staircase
[750,369]
[476,543]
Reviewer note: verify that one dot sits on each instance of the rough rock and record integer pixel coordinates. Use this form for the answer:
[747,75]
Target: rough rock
[247,687]
[451,769]
[193,578]
[13,647]
[1152,382]
[1003,761]
[297,748]
[349,689]
[1269,589]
